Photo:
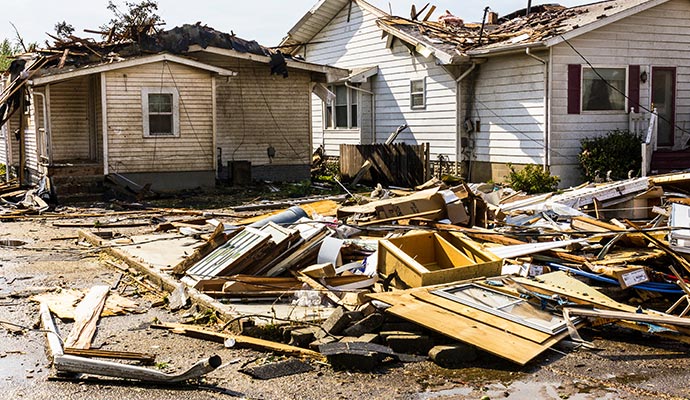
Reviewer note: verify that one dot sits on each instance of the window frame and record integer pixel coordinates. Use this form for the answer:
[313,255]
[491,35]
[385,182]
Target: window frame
[329,109]
[422,92]
[145,92]
[626,88]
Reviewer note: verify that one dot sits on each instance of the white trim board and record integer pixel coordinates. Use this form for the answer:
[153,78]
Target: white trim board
[74,73]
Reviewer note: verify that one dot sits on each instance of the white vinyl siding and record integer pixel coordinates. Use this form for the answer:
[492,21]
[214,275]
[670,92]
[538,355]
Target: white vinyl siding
[128,150]
[69,125]
[256,111]
[509,111]
[358,43]
[629,41]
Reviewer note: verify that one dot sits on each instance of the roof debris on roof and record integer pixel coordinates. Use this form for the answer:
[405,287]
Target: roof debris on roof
[518,28]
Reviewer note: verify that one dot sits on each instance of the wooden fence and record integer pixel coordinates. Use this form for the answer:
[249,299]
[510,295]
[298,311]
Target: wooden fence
[397,164]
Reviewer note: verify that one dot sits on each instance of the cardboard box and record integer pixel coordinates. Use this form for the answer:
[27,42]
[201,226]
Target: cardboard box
[425,258]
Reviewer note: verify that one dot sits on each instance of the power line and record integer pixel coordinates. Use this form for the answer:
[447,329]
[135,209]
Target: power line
[618,90]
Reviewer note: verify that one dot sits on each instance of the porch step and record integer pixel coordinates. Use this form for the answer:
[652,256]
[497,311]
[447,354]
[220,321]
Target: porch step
[664,161]
[78,189]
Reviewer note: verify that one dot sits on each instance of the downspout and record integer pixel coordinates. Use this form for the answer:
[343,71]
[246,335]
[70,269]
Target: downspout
[46,125]
[373,109]
[458,146]
[547,130]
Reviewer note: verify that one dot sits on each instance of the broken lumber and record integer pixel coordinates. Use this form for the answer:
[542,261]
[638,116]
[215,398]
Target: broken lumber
[81,365]
[240,340]
[86,318]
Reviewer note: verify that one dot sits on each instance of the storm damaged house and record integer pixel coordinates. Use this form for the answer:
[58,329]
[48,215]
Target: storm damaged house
[176,109]
[523,88]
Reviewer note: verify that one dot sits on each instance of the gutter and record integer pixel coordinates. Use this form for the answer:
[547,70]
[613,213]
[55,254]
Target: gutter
[547,130]
[373,109]
[499,51]
[458,149]
[76,364]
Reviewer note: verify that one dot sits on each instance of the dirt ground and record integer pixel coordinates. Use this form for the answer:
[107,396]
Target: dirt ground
[625,365]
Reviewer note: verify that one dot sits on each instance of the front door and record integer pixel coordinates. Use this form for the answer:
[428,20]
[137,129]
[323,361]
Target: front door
[664,100]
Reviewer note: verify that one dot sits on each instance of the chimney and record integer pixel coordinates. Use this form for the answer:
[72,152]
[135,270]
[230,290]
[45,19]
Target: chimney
[492,18]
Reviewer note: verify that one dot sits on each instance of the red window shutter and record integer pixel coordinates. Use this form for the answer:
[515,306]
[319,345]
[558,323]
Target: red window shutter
[574,72]
[634,87]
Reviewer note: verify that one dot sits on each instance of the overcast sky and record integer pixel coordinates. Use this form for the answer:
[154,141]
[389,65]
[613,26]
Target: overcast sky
[266,21]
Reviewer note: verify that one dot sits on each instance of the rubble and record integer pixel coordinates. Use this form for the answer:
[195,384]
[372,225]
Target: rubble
[395,280]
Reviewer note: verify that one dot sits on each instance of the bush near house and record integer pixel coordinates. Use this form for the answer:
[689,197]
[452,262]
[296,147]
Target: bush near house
[532,179]
[618,152]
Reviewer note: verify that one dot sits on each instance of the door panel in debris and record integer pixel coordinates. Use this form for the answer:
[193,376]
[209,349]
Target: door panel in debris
[664,100]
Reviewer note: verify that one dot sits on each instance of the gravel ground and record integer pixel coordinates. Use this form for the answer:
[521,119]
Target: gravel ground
[626,365]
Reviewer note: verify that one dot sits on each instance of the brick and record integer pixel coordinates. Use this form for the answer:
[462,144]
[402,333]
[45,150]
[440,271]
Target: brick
[409,344]
[301,337]
[337,321]
[366,325]
[450,356]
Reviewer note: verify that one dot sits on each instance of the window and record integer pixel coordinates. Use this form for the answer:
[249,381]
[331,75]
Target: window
[418,93]
[607,94]
[160,111]
[505,306]
[342,112]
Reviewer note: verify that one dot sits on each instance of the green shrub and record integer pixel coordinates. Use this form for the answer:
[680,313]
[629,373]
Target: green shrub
[532,179]
[618,152]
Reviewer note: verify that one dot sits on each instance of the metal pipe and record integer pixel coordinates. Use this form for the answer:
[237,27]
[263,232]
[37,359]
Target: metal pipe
[82,365]
[481,31]
[373,109]
[458,149]
[547,130]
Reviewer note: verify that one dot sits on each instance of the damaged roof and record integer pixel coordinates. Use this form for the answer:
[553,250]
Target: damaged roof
[546,25]
[455,42]
[67,56]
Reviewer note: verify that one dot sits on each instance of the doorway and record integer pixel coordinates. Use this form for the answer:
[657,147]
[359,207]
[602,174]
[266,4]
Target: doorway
[664,100]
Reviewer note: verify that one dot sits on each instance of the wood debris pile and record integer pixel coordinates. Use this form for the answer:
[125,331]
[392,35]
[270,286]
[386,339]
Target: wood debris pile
[408,271]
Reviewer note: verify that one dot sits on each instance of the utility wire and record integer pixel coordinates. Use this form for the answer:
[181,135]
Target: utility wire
[630,101]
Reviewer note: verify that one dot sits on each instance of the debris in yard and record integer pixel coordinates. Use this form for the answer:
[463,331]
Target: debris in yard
[468,268]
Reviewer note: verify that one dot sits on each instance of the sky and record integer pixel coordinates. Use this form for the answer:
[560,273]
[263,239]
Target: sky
[266,21]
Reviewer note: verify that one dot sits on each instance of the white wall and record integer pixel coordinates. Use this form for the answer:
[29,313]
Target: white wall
[509,105]
[358,43]
[656,37]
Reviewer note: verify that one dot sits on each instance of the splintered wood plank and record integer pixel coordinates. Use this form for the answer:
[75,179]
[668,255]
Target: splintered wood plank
[482,316]
[241,341]
[560,283]
[493,340]
[86,318]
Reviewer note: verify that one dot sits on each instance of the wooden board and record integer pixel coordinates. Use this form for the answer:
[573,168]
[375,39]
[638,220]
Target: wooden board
[481,316]
[86,318]
[561,283]
[63,303]
[493,340]
[240,340]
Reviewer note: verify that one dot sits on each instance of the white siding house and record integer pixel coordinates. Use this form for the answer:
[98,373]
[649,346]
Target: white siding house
[526,94]
[174,121]
[352,39]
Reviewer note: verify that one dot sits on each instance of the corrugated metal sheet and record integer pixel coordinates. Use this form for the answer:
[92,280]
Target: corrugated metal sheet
[223,257]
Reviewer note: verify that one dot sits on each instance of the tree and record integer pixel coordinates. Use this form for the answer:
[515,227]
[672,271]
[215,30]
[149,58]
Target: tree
[63,30]
[7,50]
[139,18]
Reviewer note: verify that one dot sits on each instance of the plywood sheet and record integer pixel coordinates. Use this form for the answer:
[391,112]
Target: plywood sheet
[493,340]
